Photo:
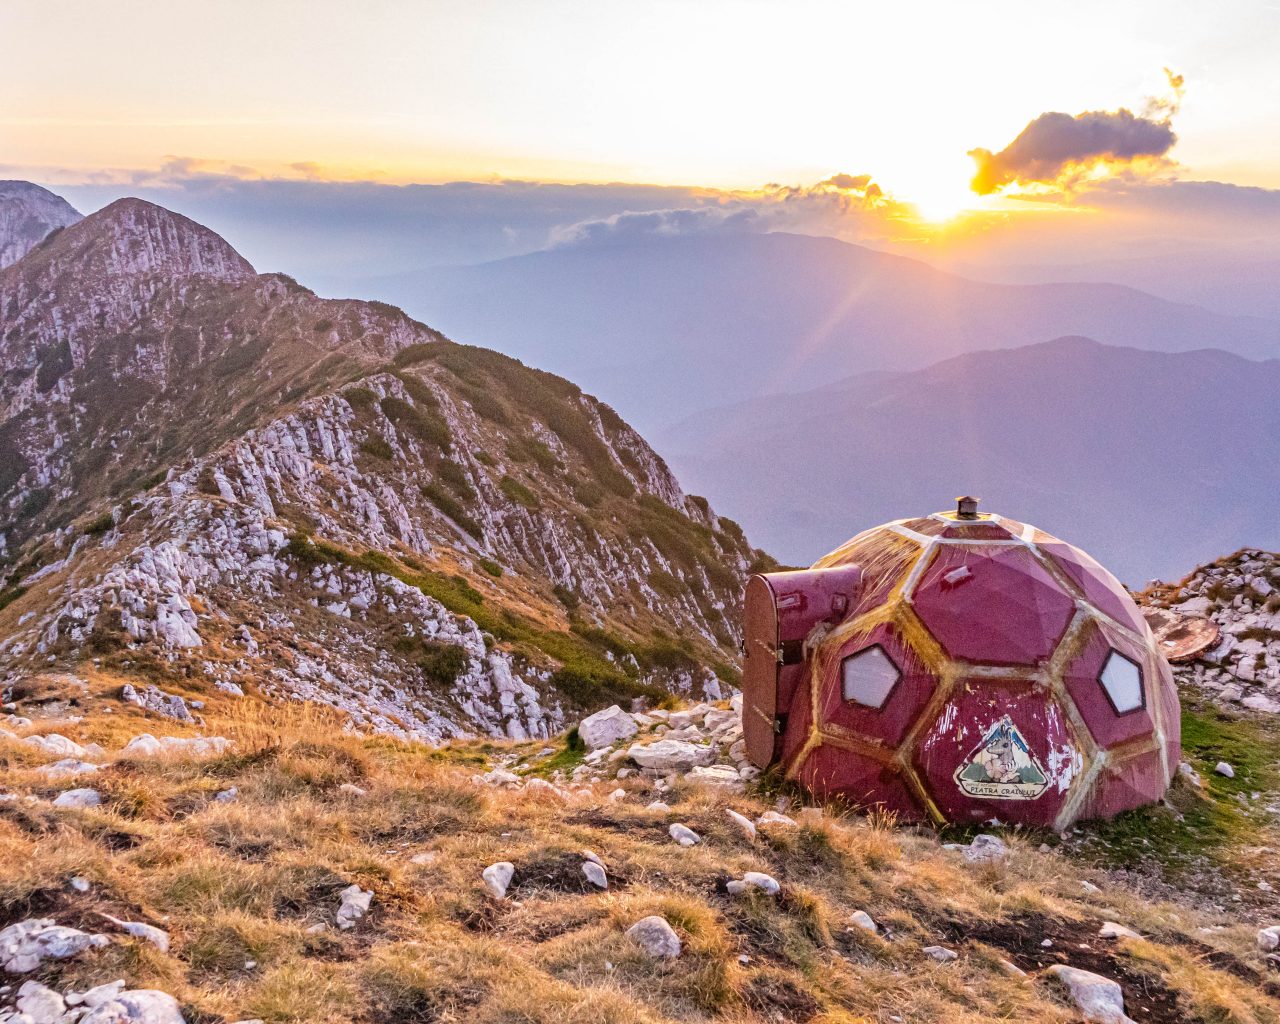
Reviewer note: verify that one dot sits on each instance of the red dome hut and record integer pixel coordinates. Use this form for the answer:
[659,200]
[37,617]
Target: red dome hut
[961,667]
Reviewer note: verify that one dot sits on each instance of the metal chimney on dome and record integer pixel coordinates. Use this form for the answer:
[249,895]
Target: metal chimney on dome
[967,507]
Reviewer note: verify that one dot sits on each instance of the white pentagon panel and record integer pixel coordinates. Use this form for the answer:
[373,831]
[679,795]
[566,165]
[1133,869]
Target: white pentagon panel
[867,677]
[1122,680]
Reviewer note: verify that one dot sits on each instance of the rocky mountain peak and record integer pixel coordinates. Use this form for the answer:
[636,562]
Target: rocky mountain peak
[135,238]
[28,214]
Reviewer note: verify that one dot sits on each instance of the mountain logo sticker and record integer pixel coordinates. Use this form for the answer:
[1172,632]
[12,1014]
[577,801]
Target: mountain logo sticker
[1002,767]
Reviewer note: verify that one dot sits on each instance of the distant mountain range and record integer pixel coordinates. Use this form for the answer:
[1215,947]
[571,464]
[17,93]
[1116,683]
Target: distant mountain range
[1152,461]
[663,326]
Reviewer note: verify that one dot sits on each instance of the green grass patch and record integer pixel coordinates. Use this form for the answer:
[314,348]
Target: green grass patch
[519,493]
[566,759]
[1205,825]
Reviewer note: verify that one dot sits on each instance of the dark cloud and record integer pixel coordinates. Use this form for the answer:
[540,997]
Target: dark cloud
[1055,144]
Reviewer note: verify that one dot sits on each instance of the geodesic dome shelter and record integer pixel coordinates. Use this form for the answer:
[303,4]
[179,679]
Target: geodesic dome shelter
[960,667]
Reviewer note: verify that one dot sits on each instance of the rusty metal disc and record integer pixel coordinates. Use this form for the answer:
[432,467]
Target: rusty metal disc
[1182,637]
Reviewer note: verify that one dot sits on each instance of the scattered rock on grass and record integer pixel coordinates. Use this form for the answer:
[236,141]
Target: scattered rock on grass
[863,920]
[684,835]
[152,698]
[1111,930]
[1222,768]
[497,878]
[355,904]
[743,823]
[136,1006]
[655,937]
[671,755]
[1269,938]
[25,945]
[595,874]
[607,727]
[754,880]
[41,1005]
[774,818]
[983,848]
[156,936]
[79,798]
[941,954]
[1098,999]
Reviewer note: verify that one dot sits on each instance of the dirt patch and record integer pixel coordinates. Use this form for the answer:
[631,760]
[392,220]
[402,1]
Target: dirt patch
[561,873]
[1076,944]
[1221,960]
[779,999]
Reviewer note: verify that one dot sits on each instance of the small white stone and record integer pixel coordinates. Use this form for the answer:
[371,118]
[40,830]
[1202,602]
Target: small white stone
[684,835]
[863,920]
[136,1006]
[351,789]
[79,884]
[354,904]
[41,1005]
[595,874]
[1111,930]
[754,880]
[497,878]
[657,805]
[1222,768]
[743,823]
[1099,1000]
[1269,938]
[226,796]
[656,937]
[79,798]
[101,993]
[941,954]
[150,933]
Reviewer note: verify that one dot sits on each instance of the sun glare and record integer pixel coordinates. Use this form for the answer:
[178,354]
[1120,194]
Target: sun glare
[942,202]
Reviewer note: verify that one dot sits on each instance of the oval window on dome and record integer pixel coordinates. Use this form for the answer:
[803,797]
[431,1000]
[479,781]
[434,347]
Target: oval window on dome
[1121,680]
[867,677]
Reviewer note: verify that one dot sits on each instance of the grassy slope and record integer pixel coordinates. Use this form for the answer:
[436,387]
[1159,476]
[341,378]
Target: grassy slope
[244,881]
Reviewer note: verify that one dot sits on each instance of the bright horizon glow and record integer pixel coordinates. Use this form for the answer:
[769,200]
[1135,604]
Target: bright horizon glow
[721,94]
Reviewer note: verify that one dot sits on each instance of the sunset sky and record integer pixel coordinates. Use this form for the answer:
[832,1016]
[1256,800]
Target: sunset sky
[710,92]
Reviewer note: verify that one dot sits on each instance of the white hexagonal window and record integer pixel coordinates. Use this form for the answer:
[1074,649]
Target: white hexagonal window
[1122,680]
[868,676]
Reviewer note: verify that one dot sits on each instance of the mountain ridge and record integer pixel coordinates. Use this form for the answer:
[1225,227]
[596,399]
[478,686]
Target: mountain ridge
[216,478]
[749,315]
[1135,439]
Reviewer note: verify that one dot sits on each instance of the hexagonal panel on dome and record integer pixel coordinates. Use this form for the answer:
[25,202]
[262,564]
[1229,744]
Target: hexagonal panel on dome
[1121,679]
[1108,685]
[830,771]
[876,689]
[1099,587]
[999,749]
[993,605]
[868,676]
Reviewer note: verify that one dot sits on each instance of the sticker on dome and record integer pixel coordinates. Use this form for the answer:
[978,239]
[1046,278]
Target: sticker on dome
[1002,767]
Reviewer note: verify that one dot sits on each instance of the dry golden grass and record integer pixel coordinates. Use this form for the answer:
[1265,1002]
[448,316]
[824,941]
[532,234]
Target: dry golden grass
[241,887]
